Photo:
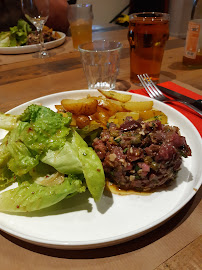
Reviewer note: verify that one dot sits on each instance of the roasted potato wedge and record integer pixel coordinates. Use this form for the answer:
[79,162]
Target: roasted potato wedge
[104,103]
[117,105]
[161,117]
[73,122]
[93,122]
[59,108]
[113,120]
[82,121]
[121,116]
[134,106]
[112,106]
[101,115]
[144,115]
[56,35]
[84,106]
[115,95]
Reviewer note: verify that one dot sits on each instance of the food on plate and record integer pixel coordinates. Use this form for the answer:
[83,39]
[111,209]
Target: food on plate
[115,95]
[22,34]
[56,155]
[138,105]
[48,35]
[17,36]
[110,107]
[138,150]
[120,117]
[141,155]
[84,106]
[47,159]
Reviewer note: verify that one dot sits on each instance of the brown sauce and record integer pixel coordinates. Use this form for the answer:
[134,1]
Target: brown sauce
[116,190]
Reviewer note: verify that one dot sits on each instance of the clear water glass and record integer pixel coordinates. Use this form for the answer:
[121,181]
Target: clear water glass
[101,61]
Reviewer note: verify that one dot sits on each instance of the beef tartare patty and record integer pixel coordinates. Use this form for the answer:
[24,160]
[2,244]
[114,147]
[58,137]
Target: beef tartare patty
[141,155]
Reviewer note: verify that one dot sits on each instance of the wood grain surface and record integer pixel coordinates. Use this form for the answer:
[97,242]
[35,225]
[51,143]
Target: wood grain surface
[177,244]
[188,258]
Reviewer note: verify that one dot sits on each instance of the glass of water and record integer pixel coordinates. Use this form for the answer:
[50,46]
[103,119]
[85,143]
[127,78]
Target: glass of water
[101,61]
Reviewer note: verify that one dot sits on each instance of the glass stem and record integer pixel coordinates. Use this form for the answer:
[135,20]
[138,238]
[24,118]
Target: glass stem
[41,39]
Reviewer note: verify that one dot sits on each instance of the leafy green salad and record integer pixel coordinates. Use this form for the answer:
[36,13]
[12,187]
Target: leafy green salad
[47,159]
[17,36]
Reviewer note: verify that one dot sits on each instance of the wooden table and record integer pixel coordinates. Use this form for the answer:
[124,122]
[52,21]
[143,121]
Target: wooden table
[175,245]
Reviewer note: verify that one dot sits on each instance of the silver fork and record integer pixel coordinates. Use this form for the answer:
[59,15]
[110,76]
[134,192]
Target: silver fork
[155,93]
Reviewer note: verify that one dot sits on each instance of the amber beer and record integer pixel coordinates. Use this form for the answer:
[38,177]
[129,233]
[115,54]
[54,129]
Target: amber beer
[81,32]
[148,33]
[80,17]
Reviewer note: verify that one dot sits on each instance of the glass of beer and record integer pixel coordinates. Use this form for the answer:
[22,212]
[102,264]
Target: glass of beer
[148,33]
[80,17]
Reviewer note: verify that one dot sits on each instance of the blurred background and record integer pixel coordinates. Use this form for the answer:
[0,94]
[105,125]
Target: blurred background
[117,11]
[114,12]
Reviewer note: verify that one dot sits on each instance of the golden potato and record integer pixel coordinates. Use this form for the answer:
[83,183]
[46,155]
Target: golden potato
[115,95]
[100,116]
[134,106]
[117,105]
[161,117]
[59,108]
[112,106]
[64,114]
[47,29]
[114,120]
[104,103]
[73,122]
[144,115]
[82,121]
[96,124]
[121,116]
[82,106]
[56,35]
[93,122]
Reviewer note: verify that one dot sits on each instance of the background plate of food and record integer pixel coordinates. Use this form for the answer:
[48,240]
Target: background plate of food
[22,39]
[81,223]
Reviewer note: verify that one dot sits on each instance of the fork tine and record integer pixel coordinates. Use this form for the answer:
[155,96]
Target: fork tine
[151,84]
[146,76]
[148,87]
[142,80]
[156,93]
[145,85]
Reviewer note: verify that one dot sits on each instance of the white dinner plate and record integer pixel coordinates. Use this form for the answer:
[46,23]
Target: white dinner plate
[34,47]
[79,223]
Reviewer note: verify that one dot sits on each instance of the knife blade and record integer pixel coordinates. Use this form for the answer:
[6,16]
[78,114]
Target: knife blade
[196,103]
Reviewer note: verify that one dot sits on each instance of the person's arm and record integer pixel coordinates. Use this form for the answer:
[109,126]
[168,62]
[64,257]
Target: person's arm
[58,15]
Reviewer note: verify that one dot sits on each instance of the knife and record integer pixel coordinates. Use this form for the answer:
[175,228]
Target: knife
[196,103]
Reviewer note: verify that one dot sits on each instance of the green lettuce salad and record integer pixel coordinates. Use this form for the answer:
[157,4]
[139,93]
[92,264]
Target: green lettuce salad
[47,159]
[17,36]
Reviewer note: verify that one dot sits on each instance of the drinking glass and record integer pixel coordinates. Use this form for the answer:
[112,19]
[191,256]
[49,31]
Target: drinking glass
[37,12]
[148,33]
[101,60]
[80,17]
